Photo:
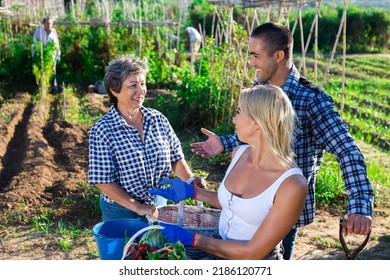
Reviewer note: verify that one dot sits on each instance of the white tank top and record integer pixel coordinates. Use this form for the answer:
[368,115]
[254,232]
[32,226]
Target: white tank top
[241,217]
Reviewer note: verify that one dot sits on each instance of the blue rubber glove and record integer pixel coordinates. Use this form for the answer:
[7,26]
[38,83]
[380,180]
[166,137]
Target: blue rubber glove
[180,190]
[174,233]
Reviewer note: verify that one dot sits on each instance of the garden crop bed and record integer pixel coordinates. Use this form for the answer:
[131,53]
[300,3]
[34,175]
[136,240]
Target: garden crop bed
[46,211]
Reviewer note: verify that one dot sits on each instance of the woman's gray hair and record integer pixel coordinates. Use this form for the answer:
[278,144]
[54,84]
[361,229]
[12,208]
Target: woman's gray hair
[118,70]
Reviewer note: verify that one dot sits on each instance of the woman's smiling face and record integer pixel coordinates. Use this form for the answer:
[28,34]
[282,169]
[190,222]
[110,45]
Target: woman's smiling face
[132,94]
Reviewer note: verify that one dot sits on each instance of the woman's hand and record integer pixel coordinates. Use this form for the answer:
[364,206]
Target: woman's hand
[150,210]
[174,233]
[198,182]
[179,190]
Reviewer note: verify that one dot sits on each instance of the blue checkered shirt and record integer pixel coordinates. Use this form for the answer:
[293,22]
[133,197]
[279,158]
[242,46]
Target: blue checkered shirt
[117,154]
[320,128]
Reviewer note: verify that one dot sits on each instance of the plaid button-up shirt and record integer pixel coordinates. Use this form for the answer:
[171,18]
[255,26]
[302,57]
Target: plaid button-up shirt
[117,154]
[320,128]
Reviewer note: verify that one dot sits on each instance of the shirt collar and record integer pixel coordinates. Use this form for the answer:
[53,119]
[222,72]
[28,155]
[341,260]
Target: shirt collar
[292,81]
[118,121]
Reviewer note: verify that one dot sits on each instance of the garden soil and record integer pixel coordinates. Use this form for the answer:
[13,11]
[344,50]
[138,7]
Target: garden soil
[44,166]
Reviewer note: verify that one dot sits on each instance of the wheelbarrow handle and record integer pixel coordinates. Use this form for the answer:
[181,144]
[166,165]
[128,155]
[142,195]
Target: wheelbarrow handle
[348,254]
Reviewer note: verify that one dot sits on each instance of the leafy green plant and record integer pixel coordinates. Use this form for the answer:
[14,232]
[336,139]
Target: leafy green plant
[15,56]
[92,194]
[15,216]
[43,221]
[329,184]
[322,243]
[76,109]
[65,243]
[43,65]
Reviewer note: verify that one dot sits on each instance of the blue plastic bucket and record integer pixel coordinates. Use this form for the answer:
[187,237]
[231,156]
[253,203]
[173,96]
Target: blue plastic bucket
[111,236]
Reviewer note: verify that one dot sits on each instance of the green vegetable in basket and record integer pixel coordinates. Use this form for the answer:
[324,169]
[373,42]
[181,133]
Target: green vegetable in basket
[153,238]
[171,251]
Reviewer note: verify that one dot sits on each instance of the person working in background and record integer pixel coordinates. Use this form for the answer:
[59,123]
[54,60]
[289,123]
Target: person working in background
[194,39]
[263,191]
[48,34]
[319,128]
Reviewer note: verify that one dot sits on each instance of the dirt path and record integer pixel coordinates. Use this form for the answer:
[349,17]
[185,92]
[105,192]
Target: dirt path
[43,169]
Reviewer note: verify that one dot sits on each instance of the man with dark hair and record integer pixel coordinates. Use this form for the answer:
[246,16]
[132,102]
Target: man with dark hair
[320,128]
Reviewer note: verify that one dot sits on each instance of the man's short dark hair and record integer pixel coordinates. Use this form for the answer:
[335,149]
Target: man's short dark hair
[45,19]
[276,36]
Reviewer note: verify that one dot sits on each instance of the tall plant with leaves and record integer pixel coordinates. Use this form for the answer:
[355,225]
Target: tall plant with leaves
[43,65]
[207,96]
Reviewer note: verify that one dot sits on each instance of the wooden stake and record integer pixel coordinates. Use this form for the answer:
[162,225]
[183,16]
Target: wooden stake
[303,61]
[344,57]
[342,23]
[316,43]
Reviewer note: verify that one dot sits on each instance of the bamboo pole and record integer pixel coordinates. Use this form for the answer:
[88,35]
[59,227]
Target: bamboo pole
[217,35]
[344,58]
[230,26]
[140,29]
[201,58]
[316,44]
[245,69]
[255,18]
[204,33]
[303,61]
[309,39]
[221,29]
[231,101]
[282,8]
[212,60]
[72,9]
[268,9]
[288,18]
[179,25]
[342,23]
[246,23]
[295,25]
[213,22]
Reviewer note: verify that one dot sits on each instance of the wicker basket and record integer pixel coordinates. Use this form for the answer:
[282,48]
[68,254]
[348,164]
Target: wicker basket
[194,218]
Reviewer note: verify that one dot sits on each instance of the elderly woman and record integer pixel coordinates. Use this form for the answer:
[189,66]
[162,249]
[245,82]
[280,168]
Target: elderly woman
[263,192]
[132,148]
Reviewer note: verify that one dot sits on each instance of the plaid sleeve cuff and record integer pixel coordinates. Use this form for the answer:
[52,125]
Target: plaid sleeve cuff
[230,142]
[360,206]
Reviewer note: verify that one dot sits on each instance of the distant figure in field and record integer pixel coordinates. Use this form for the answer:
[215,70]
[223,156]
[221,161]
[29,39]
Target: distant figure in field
[194,40]
[48,34]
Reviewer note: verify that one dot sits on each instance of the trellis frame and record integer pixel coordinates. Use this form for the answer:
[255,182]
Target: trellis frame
[284,8]
[38,8]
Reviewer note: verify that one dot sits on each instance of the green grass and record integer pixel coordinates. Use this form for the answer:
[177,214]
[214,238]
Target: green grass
[76,109]
[367,112]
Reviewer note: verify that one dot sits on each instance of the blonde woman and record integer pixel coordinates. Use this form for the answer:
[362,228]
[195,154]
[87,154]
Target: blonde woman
[263,192]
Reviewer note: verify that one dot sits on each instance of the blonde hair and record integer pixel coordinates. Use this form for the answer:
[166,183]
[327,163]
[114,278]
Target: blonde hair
[272,111]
